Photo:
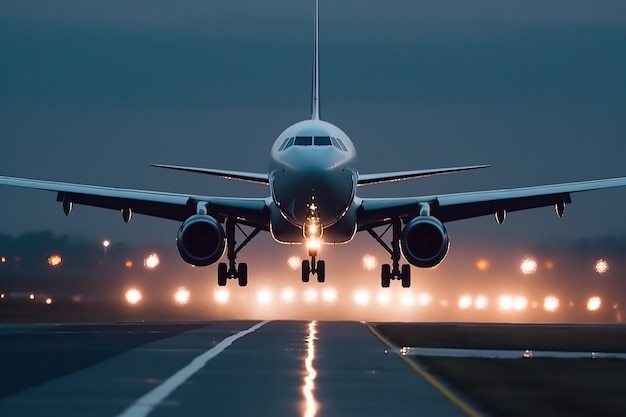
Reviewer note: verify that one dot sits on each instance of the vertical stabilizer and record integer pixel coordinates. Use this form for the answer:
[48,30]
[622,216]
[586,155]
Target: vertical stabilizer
[315,93]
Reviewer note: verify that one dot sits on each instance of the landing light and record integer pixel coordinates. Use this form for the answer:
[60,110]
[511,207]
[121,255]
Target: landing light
[287,295]
[133,296]
[520,303]
[424,299]
[264,297]
[482,265]
[310,295]
[294,262]
[465,301]
[221,295]
[48,301]
[384,297]
[151,261]
[181,296]
[551,303]
[54,260]
[361,297]
[505,302]
[407,299]
[329,295]
[313,244]
[528,266]
[594,303]
[601,266]
[369,262]
[480,302]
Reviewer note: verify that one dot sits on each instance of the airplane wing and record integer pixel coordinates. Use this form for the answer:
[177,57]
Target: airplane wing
[253,177]
[382,177]
[251,211]
[451,207]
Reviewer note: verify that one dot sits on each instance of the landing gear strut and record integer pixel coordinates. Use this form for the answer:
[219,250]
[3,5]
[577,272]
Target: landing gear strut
[312,230]
[230,270]
[393,271]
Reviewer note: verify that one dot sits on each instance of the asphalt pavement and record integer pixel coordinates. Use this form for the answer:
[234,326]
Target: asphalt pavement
[235,368]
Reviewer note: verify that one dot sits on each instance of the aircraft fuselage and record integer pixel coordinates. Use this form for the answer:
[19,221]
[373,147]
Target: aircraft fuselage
[313,166]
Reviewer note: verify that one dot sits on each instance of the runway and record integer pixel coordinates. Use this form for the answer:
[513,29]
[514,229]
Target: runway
[285,368]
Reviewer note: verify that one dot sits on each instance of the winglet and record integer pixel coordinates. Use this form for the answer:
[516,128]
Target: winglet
[315,91]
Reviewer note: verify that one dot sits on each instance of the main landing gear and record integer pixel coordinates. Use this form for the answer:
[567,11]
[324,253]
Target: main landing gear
[230,270]
[393,271]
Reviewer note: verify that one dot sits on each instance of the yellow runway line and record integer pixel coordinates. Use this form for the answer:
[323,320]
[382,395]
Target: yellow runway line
[432,380]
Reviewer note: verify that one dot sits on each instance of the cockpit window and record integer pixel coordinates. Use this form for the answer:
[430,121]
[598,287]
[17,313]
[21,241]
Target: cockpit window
[339,144]
[322,141]
[303,141]
[284,145]
[289,143]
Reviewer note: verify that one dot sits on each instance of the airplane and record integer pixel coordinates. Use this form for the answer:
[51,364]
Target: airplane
[313,183]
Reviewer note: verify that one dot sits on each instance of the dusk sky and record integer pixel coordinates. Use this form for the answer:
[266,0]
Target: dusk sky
[93,92]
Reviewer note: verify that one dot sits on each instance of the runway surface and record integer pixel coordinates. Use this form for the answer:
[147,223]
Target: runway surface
[282,368]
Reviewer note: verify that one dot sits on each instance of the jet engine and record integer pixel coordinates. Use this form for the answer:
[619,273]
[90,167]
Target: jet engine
[201,240]
[425,241]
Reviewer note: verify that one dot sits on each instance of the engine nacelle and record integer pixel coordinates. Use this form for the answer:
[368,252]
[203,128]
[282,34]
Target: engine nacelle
[201,240]
[425,242]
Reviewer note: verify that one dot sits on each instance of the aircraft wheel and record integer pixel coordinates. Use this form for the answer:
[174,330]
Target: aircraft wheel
[385,275]
[406,276]
[306,270]
[222,272]
[321,271]
[242,274]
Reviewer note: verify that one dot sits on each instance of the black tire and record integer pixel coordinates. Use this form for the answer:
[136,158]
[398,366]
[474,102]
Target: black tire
[222,271]
[385,275]
[321,271]
[306,270]
[242,274]
[406,276]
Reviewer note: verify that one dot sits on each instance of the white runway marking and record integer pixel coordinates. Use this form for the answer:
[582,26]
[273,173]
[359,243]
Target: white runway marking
[144,405]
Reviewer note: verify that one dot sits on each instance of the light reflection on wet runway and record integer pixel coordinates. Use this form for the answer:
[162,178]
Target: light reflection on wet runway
[308,387]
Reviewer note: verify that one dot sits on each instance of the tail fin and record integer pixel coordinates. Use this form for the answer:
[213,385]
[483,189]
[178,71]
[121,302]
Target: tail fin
[315,93]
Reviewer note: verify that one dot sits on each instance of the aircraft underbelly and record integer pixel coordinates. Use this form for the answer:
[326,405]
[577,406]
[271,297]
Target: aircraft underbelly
[332,192]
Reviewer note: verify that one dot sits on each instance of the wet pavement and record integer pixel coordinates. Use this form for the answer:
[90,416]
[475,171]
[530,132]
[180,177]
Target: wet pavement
[286,368]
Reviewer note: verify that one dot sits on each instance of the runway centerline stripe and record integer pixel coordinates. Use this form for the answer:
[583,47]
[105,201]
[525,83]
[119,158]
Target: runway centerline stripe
[144,405]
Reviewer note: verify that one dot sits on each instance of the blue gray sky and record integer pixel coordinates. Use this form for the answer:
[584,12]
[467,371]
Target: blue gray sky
[93,92]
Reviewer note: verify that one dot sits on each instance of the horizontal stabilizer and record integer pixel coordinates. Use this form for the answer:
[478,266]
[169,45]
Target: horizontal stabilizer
[368,179]
[254,177]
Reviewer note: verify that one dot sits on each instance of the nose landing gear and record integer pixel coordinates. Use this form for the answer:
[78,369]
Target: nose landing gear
[312,230]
